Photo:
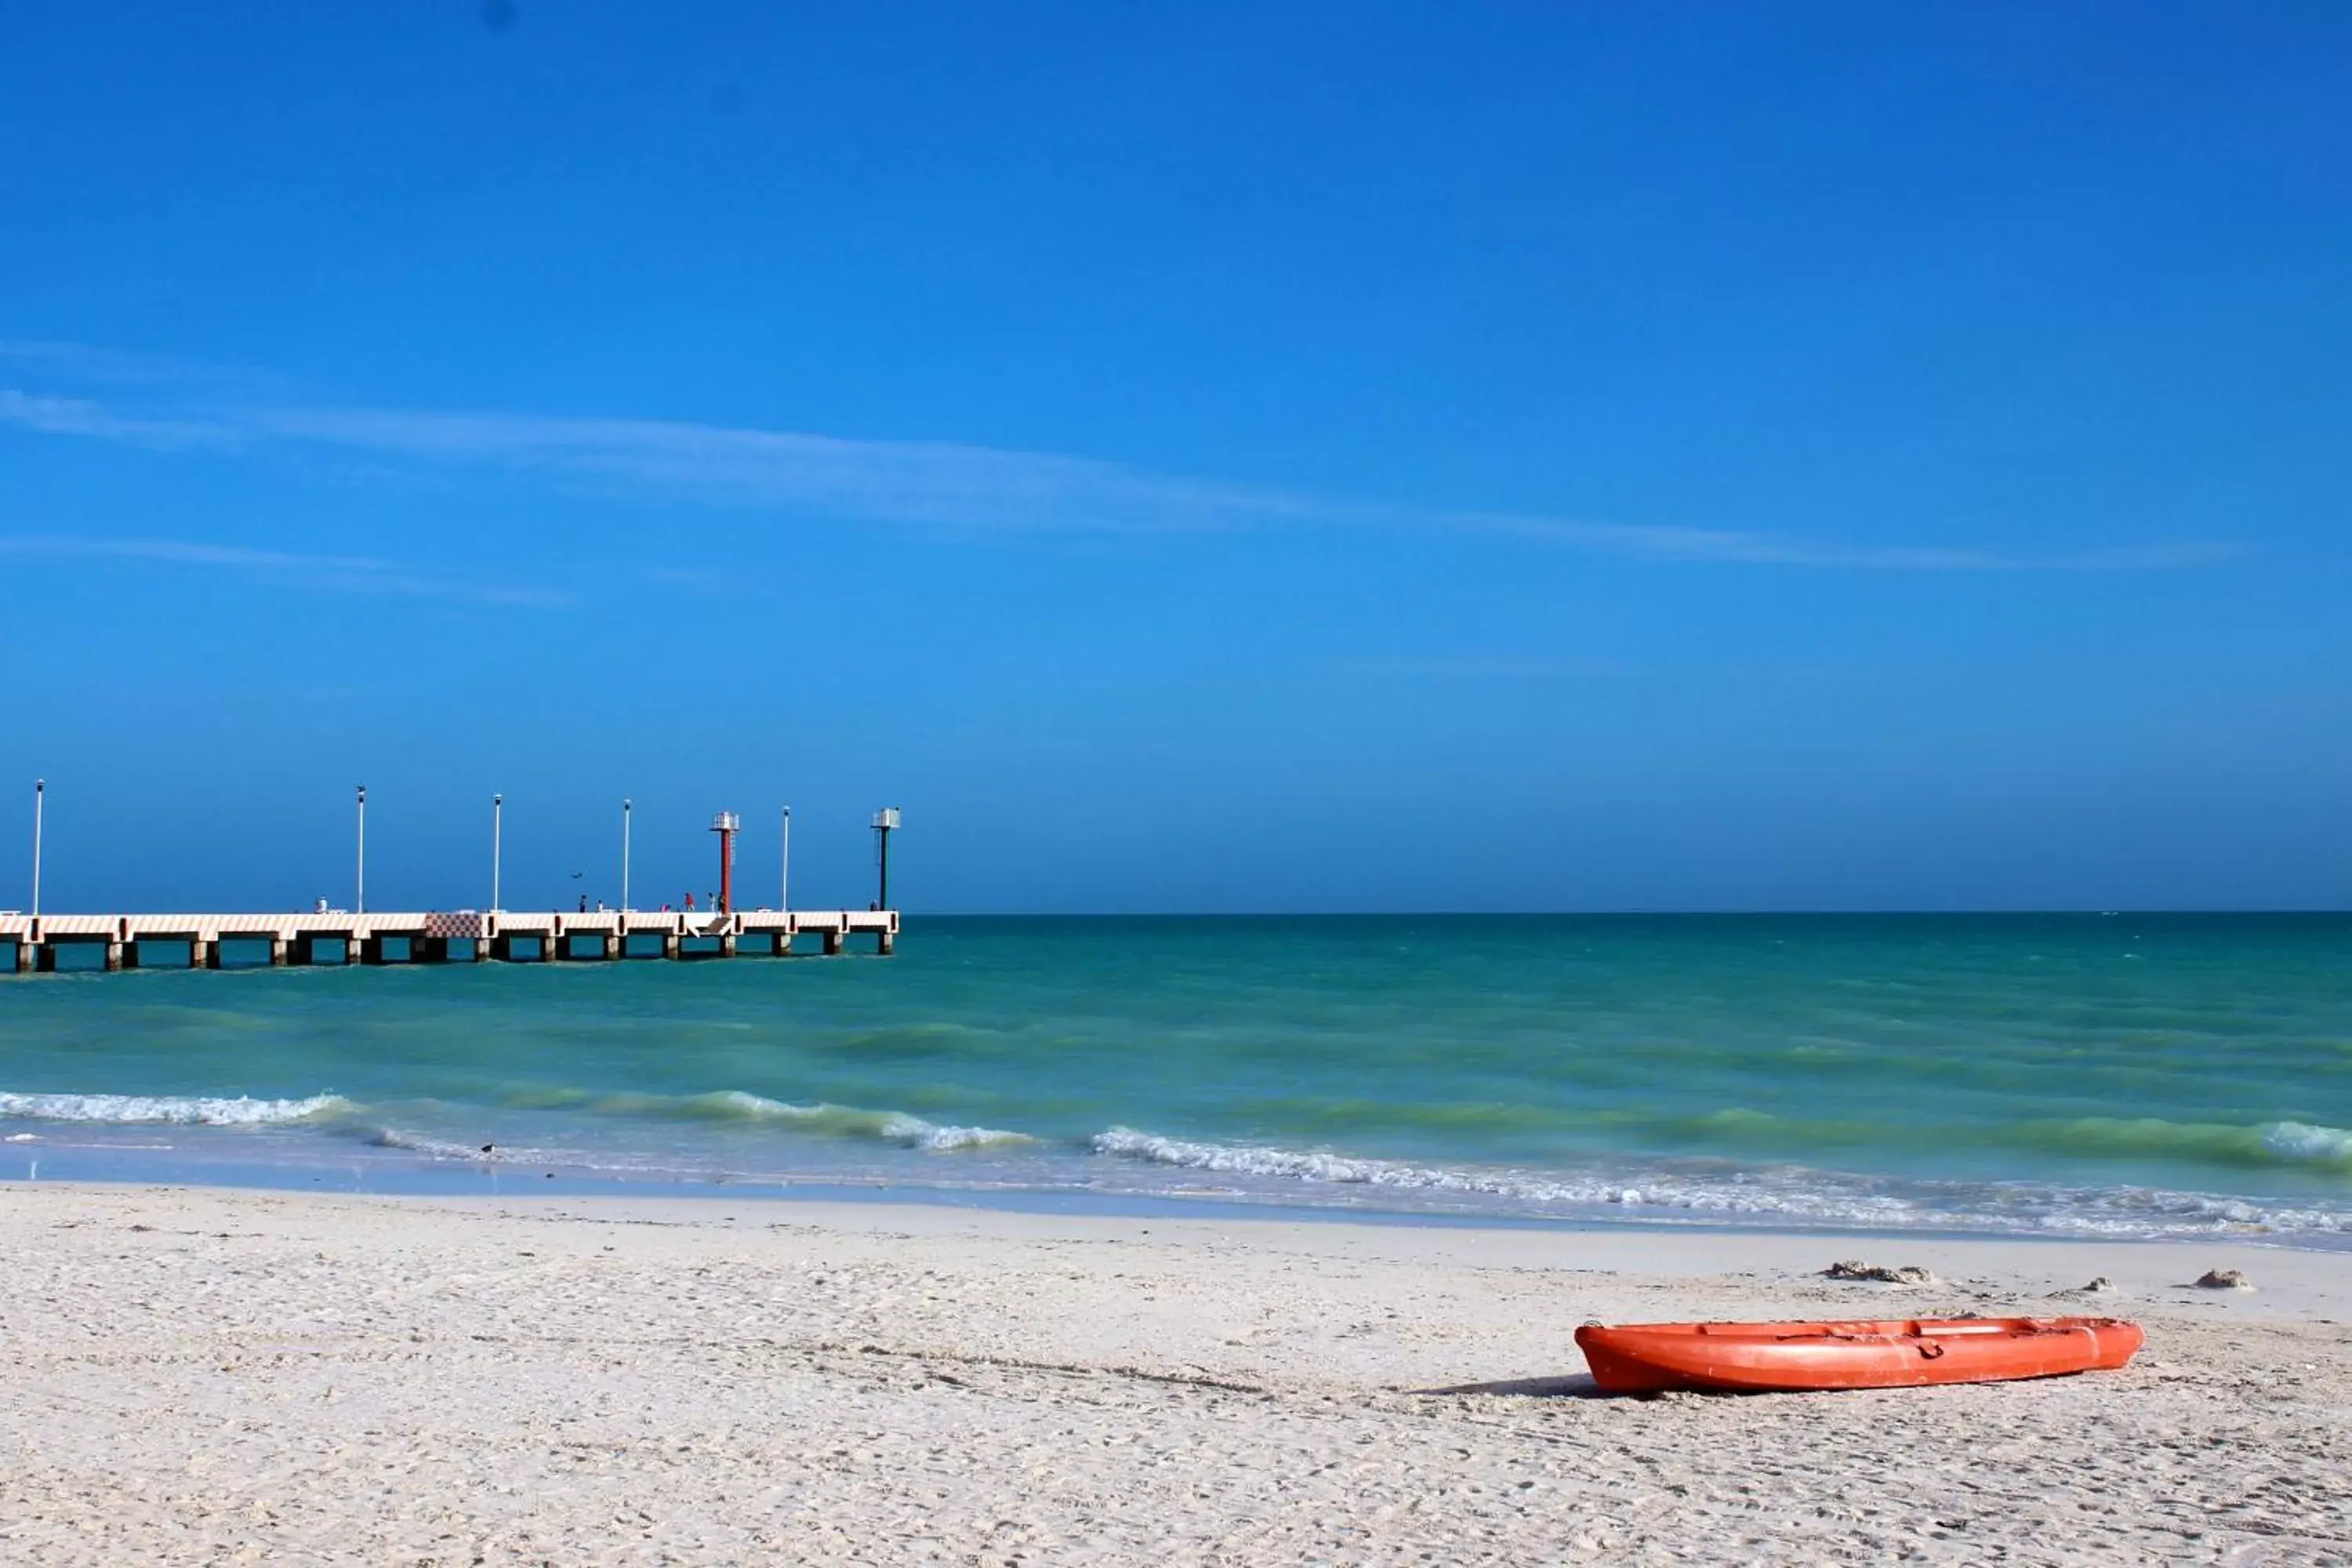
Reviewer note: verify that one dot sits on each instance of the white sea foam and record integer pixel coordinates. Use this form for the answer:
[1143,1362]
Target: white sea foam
[738,1107]
[907,1131]
[738,1103]
[848,1121]
[169,1110]
[476,1154]
[1547,1189]
[1786,1195]
[2302,1141]
[917,1133]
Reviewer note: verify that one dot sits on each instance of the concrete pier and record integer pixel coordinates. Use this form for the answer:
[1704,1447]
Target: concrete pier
[33,944]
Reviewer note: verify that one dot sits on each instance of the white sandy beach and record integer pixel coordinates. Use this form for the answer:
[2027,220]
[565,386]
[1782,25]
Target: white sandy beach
[225,1376]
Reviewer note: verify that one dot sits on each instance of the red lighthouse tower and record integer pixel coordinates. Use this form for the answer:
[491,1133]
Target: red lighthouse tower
[725,824]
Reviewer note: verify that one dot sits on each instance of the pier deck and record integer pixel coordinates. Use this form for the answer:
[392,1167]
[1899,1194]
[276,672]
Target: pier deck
[33,944]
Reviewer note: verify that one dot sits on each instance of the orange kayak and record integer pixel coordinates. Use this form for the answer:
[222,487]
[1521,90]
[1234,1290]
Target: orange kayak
[1649,1358]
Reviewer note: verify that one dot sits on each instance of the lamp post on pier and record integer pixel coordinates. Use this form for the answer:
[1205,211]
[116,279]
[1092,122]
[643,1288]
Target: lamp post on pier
[625,805]
[885,822]
[497,808]
[40,789]
[359,892]
[784,876]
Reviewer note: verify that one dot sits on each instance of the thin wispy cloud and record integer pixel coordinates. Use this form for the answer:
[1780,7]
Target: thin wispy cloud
[355,573]
[936,485]
[1775,550]
[1483,666]
[84,416]
[82,364]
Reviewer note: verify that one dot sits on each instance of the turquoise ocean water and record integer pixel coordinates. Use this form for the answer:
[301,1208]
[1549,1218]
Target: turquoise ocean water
[2124,1075]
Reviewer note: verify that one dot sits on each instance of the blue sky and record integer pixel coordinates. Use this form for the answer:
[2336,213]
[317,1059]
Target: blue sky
[1282,457]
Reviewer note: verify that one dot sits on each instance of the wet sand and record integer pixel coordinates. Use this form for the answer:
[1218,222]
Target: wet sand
[216,1375]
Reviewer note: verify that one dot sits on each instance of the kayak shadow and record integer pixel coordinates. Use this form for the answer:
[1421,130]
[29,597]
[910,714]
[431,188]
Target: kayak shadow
[1576,1385]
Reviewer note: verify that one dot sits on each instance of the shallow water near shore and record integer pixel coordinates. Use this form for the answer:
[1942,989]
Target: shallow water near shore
[2078,1075]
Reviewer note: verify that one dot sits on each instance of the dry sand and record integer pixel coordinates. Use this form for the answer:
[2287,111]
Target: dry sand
[222,1376]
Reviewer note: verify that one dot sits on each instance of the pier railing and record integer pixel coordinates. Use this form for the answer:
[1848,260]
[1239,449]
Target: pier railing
[31,943]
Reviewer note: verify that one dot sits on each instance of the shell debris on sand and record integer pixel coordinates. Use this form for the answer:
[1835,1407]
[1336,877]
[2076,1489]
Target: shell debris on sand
[2224,1280]
[1879,1273]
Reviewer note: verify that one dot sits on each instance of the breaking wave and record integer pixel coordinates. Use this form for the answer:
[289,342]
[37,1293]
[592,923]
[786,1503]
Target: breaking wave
[2149,1138]
[2300,1141]
[176,1110]
[823,1137]
[838,1121]
[1787,1195]
[848,1122]
[1540,1188]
